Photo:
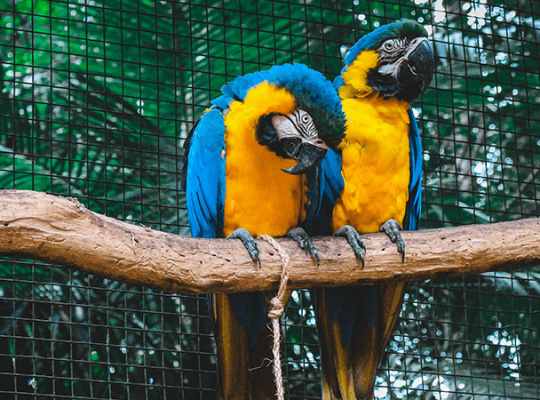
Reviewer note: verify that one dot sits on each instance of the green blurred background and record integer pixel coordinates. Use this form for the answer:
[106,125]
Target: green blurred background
[96,98]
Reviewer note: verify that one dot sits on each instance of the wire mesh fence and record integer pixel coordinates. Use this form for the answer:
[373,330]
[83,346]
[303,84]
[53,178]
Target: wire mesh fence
[96,98]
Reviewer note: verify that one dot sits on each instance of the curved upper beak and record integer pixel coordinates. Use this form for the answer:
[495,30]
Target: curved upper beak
[418,66]
[306,154]
[300,141]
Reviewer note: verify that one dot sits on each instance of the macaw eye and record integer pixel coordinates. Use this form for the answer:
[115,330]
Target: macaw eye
[389,45]
[303,118]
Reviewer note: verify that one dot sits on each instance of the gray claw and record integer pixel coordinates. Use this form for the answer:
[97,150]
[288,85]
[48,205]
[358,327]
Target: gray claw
[392,228]
[401,249]
[248,242]
[300,236]
[353,237]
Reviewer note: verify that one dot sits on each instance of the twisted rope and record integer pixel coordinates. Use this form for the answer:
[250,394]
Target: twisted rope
[275,313]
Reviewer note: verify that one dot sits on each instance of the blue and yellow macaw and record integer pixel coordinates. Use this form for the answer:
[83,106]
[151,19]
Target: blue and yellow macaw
[250,163]
[378,190]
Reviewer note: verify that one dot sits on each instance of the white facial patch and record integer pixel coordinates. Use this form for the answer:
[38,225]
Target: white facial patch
[298,124]
[284,127]
[391,48]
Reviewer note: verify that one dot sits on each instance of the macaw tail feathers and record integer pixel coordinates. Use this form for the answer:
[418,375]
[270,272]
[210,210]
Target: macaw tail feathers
[245,369]
[335,359]
[237,374]
[350,360]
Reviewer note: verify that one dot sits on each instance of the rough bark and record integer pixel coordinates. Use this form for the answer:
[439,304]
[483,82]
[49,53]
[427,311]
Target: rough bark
[62,231]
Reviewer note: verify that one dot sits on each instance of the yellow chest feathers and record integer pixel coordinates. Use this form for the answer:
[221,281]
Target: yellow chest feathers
[259,196]
[375,165]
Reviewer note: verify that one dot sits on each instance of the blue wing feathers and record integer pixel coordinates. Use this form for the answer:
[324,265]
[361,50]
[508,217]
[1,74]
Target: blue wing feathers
[411,221]
[205,184]
[331,184]
[332,181]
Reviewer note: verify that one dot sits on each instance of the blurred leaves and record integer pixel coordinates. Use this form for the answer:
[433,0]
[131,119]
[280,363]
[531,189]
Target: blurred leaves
[95,100]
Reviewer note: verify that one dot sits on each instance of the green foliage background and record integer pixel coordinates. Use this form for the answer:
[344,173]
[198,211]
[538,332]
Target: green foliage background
[95,99]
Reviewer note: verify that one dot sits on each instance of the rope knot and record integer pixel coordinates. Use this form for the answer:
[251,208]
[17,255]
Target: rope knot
[276,308]
[275,313]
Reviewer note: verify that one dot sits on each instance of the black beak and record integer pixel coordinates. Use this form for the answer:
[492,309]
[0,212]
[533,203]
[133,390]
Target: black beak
[307,155]
[291,146]
[415,73]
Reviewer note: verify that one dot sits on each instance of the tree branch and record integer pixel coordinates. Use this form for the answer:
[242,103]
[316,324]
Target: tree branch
[59,230]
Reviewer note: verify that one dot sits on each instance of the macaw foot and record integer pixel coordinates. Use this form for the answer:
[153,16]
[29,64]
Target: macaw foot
[392,228]
[249,243]
[353,237]
[301,237]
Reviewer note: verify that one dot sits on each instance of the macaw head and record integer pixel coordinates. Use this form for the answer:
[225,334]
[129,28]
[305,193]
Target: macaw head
[304,134]
[295,111]
[293,135]
[394,60]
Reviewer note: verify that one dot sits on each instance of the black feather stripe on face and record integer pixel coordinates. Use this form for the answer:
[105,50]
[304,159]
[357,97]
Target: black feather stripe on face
[331,127]
[392,50]
[304,124]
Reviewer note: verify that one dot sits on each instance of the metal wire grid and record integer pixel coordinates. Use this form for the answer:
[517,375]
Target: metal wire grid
[94,99]
[93,338]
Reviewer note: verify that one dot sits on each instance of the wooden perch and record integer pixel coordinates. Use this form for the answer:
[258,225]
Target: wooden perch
[62,231]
